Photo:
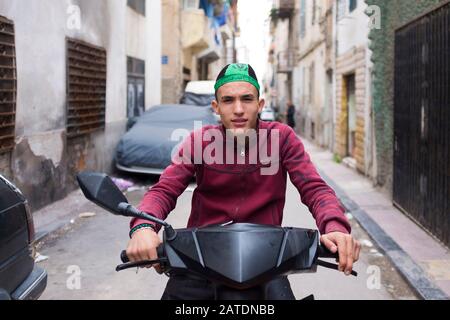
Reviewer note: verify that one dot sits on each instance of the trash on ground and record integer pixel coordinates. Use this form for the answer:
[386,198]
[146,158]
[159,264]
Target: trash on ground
[86,215]
[376,253]
[39,257]
[122,184]
[136,188]
[367,243]
[349,216]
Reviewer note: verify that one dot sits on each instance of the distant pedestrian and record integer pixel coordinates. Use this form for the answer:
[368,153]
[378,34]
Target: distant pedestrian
[290,114]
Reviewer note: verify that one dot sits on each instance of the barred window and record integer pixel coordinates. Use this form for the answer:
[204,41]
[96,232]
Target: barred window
[8,85]
[86,88]
[136,87]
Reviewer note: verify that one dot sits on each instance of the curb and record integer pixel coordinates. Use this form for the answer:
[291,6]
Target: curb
[414,274]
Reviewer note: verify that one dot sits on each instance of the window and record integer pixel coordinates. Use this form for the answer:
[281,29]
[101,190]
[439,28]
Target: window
[341,9]
[86,88]
[8,85]
[352,5]
[303,18]
[344,7]
[136,87]
[314,9]
[137,5]
[191,4]
[312,77]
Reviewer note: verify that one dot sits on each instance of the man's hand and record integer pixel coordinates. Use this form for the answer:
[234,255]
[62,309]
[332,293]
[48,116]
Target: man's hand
[347,247]
[142,246]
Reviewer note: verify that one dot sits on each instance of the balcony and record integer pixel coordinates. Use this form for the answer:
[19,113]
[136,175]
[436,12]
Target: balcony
[285,8]
[195,30]
[286,61]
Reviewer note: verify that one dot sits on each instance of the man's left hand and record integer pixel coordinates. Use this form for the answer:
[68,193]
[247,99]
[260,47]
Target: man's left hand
[347,247]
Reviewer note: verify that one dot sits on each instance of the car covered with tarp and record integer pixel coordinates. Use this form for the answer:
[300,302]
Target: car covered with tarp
[148,145]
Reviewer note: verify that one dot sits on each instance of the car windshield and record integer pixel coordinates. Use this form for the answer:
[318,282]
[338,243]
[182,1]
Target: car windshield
[194,99]
[173,114]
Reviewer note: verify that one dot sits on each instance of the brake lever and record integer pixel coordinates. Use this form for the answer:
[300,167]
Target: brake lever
[333,266]
[138,264]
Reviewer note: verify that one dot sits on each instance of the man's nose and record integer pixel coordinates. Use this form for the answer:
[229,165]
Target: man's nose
[238,108]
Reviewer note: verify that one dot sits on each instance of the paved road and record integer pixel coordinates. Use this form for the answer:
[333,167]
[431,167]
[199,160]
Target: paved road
[90,247]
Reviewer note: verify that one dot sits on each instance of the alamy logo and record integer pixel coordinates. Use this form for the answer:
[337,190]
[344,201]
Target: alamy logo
[374,279]
[73,282]
[74,17]
[230,148]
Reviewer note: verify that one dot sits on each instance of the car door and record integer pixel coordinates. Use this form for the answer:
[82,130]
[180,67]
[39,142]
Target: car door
[16,260]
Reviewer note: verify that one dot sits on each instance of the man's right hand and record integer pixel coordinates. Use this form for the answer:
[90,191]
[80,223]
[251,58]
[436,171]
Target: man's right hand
[142,246]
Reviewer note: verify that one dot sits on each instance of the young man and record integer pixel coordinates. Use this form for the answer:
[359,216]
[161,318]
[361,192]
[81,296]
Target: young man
[239,180]
[290,114]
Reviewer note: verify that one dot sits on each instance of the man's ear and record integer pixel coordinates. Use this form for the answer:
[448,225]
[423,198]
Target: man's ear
[215,106]
[262,103]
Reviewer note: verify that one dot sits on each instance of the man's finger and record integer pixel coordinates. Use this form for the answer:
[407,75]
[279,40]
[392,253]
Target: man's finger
[330,245]
[158,268]
[357,250]
[131,254]
[349,246]
[342,248]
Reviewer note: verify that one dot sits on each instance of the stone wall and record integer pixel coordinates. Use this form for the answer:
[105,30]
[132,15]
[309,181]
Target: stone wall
[393,15]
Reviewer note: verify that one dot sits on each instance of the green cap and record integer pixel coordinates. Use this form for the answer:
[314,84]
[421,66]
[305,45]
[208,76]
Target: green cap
[237,72]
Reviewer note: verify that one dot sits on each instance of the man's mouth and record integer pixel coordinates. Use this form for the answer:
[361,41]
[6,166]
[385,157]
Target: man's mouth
[239,123]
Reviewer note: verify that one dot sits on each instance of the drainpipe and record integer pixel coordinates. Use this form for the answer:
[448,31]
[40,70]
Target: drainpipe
[333,86]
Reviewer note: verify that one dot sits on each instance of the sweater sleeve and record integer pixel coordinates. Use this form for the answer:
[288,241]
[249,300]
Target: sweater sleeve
[161,199]
[314,192]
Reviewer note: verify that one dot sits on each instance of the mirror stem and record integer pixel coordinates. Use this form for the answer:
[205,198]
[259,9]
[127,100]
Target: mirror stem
[130,211]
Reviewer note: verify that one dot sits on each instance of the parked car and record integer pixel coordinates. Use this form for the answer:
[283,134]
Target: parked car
[20,278]
[199,93]
[267,114]
[147,147]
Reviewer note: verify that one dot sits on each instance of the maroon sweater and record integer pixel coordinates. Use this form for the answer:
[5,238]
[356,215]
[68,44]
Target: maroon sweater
[239,192]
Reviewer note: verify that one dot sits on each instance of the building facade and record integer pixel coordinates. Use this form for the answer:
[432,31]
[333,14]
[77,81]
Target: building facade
[321,62]
[198,39]
[312,90]
[282,54]
[353,139]
[75,71]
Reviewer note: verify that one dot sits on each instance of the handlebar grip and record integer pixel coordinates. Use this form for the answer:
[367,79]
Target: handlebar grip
[125,259]
[323,252]
[160,251]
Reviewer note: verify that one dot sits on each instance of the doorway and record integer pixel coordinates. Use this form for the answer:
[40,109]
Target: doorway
[350,108]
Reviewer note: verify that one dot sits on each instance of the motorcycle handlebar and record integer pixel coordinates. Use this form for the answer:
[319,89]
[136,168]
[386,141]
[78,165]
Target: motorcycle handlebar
[323,252]
[124,258]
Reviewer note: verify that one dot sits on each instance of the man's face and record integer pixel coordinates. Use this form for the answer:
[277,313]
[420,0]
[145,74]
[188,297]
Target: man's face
[238,106]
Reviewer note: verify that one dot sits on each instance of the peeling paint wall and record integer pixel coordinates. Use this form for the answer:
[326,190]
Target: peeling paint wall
[5,165]
[44,162]
[393,15]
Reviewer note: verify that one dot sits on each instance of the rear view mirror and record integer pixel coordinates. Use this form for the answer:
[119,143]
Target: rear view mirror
[100,189]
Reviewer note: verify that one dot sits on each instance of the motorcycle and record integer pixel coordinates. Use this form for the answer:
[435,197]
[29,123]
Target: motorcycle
[239,259]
